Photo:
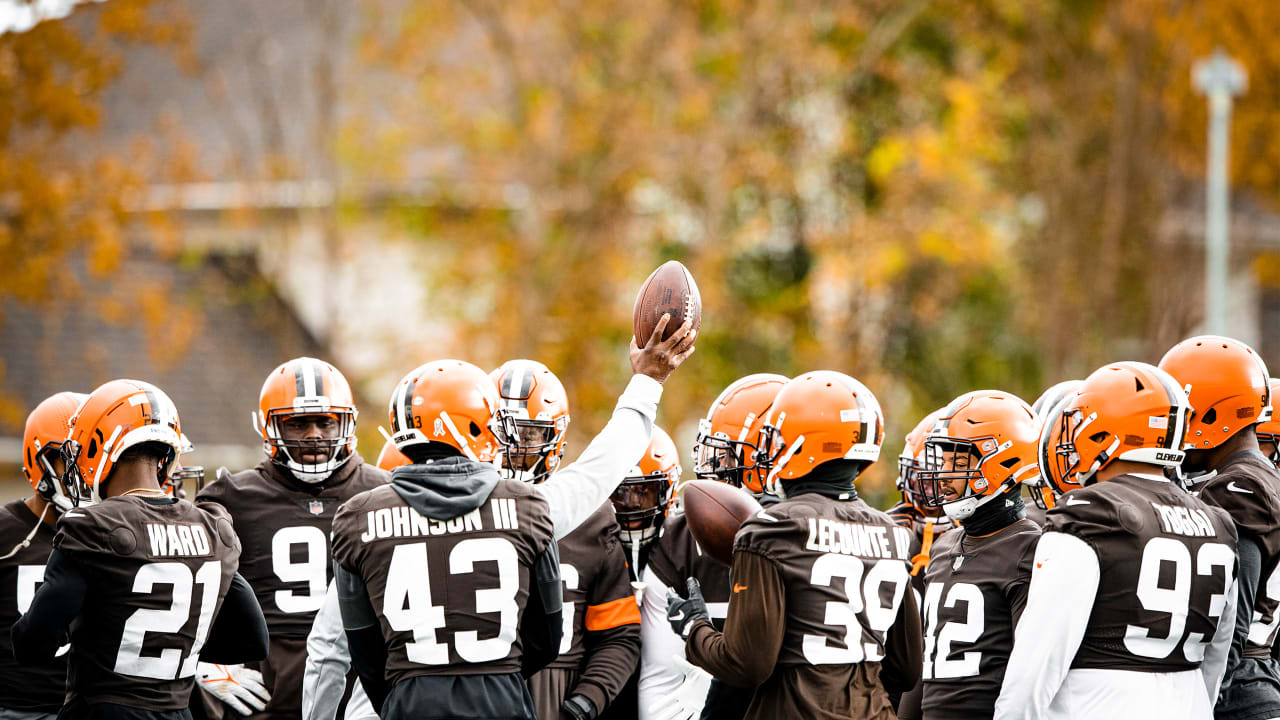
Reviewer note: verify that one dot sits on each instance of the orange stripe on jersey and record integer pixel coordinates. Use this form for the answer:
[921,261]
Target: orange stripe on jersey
[612,614]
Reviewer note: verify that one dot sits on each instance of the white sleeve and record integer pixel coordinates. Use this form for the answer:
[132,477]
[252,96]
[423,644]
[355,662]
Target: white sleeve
[659,676]
[1214,664]
[1060,599]
[583,486]
[324,677]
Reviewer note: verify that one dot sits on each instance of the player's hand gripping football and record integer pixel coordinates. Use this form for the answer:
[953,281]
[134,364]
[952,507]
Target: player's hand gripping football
[658,358]
[237,686]
[683,613]
[687,701]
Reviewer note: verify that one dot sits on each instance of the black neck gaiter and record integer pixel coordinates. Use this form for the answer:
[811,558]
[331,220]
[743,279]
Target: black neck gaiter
[997,514]
[833,479]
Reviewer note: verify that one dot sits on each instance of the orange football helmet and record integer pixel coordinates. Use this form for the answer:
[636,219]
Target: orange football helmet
[1269,431]
[1227,383]
[306,386]
[114,418]
[533,409]
[819,416]
[46,430]
[450,402]
[1123,411]
[641,500]
[997,432]
[910,460]
[1051,397]
[728,436]
[390,457]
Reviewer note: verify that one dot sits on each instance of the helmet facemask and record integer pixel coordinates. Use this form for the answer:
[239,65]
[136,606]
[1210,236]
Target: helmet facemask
[718,457]
[52,487]
[290,453]
[531,449]
[640,505]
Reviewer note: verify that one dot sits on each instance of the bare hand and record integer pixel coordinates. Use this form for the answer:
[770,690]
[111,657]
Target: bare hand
[658,358]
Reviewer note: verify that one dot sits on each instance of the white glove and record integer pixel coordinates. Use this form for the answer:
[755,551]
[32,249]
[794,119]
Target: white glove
[237,686]
[687,701]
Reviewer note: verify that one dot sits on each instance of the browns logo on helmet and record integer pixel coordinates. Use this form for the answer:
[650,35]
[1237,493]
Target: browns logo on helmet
[305,387]
[984,443]
[533,411]
[1227,384]
[117,416]
[642,498]
[819,416]
[46,429]
[729,435]
[911,460]
[1124,411]
[1269,431]
[451,402]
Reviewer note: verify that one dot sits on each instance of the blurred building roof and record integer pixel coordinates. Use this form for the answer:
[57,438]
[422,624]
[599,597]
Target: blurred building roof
[231,331]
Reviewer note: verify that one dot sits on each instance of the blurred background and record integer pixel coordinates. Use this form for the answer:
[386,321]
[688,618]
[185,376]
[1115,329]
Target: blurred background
[933,196]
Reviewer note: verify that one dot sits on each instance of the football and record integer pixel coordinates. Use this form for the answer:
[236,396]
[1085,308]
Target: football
[715,511]
[669,289]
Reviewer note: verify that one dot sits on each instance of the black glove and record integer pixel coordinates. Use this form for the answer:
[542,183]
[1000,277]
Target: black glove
[682,613]
[578,707]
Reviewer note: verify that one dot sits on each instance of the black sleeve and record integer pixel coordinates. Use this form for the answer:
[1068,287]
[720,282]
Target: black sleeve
[725,702]
[904,648]
[39,633]
[542,627]
[364,634]
[239,632]
[1246,593]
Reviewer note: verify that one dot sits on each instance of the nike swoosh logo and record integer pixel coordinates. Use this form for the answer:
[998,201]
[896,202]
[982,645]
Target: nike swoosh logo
[75,514]
[738,588]
[1236,488]
[766,516]
[677,617]
[1073,501]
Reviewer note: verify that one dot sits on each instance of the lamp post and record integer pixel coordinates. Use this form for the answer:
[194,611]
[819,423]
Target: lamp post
[1220,79]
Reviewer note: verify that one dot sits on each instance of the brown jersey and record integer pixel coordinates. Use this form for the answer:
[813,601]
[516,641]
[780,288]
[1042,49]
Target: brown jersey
[676,557]
[597,587]
[449,593]
[975,591]
[1165,559]
[844,569]
[157,572]
[284,525]
[25,687]
[1247,486]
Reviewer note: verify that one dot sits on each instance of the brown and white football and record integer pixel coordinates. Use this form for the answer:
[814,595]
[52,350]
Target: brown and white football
[669,289]
[715,511]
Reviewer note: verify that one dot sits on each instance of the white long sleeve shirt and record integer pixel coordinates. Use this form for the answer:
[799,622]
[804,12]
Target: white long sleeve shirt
[1040,684]
[324,677]
[659,676]
[579,489]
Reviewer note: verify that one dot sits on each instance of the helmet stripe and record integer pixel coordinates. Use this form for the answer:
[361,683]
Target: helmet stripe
[406,402]
[300,387]
[317,369]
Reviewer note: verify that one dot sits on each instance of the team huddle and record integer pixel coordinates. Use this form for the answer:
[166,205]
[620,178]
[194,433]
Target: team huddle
[473,572]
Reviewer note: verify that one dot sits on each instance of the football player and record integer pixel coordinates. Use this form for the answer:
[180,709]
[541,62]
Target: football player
[144,583]
[1269,430]
[821,621]
[724,450]
[600,646]
[926,522]
[283,510]
[427,660]
[1230,389]
[33,691]
[1038,489]
[1132,597]
[977,455]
